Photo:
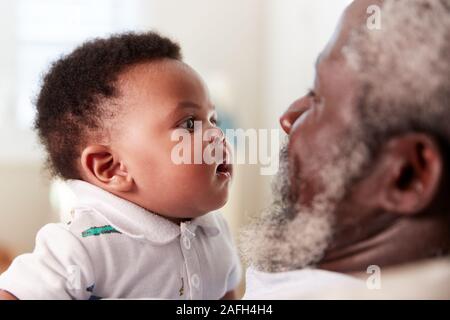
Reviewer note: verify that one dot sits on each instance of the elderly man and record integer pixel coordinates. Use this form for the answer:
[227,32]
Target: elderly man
[366,172]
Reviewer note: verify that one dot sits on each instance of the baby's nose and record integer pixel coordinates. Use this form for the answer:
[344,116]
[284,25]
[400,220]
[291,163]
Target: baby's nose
[217,136]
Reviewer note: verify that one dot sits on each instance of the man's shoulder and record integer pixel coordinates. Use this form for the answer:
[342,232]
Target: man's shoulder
[296,284]
[425,279]
[397,282]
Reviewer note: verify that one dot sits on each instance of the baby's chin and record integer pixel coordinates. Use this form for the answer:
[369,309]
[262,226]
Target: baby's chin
[216,202]
[208,203]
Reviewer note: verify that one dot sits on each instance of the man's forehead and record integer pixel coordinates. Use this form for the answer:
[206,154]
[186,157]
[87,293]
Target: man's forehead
[353,17]
[333,74]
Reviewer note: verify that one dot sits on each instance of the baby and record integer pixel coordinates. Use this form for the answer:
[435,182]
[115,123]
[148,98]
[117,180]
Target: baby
[144,226]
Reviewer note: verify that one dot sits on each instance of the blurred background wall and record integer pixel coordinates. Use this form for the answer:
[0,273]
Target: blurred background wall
[257,56]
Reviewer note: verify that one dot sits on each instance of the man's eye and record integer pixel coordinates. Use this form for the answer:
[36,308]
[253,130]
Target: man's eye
[214,121]
[313,95]
[188,124]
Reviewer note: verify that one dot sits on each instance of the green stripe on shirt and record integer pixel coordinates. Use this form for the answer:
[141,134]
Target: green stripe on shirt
[96,231]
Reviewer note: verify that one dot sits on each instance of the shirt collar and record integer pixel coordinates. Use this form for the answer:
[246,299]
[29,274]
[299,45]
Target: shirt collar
[134,220]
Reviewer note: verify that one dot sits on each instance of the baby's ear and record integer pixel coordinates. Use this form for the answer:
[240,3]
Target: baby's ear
[100,166]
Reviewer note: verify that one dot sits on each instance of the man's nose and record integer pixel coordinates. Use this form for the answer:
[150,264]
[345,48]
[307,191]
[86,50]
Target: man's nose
[293,113]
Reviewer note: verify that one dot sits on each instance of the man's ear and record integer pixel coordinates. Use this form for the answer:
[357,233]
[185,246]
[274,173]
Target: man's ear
[411,168]
[101,167]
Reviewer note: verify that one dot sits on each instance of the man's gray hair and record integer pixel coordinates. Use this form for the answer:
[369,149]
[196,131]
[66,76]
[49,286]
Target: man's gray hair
[404,69]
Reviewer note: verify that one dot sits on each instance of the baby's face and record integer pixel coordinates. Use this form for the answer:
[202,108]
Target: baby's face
[159,98]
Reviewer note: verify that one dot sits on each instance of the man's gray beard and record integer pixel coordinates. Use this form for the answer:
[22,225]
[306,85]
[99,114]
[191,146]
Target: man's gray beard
[289,236]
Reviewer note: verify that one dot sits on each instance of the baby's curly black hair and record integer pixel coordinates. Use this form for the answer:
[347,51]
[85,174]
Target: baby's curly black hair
[71,101]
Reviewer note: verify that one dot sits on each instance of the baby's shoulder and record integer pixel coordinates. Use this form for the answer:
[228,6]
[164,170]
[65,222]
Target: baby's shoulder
[87,222]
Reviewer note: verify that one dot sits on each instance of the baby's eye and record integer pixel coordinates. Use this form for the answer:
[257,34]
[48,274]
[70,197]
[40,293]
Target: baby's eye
[214,121]
[188,124]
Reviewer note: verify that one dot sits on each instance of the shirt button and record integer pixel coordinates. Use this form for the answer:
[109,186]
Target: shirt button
[195,280]
[186,242]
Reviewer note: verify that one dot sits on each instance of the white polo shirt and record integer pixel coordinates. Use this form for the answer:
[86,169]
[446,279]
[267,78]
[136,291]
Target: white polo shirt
[297,284]
[113,248]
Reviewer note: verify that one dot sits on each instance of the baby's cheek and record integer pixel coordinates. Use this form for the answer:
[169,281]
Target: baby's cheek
[198,185]
[196,174]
